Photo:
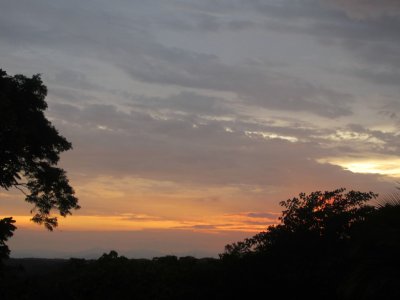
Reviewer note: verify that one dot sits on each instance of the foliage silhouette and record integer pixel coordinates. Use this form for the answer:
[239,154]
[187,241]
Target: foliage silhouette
[7,228]
[325,218]
[29,151]
[310,248]
[374,254]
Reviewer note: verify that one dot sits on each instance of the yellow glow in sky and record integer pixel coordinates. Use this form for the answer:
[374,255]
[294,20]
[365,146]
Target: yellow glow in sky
[389,166]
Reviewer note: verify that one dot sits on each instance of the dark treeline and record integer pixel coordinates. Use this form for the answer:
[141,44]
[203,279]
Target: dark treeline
[116,277]
[328,245]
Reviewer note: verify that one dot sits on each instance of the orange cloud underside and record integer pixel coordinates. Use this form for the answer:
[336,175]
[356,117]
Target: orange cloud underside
[132,222]
[131,204]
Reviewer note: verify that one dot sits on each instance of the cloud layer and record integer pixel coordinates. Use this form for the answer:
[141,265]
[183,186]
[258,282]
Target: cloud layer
[194,112]
[369,8]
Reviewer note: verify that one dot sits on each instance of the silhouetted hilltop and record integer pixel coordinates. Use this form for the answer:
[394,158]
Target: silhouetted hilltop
[35,266]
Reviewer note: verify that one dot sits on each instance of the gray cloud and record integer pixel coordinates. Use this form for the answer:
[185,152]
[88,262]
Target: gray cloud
[382,77]
[271,90]
[192,21]
[362,9]
[185,101]
[74,79]
[369,29]
[134,49]
[205,154]
[205,23]
[155,140]
[391,109]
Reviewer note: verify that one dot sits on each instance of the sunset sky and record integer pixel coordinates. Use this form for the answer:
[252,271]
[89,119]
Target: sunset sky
[191,119]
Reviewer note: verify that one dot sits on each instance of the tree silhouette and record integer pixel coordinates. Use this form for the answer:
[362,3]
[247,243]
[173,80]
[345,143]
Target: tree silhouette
[307,251]
[374,255]
[29,151]
[322,217]
[6,231]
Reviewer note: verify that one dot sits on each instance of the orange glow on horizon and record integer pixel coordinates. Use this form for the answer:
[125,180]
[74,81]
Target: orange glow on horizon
[135,222]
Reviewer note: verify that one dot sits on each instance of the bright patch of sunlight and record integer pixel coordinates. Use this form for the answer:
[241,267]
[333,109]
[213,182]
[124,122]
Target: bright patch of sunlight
[389,166]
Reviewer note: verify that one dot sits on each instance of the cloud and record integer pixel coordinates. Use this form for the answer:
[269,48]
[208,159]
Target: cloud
[364,9]
[77,80]
[368,29]
[263,215]
[172,66]
[185,102]
[207,154]
[390,110]
[387,165]
[382,77]
[203,227]
[203,22]
[136,103]
[134,48]
[141,218]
